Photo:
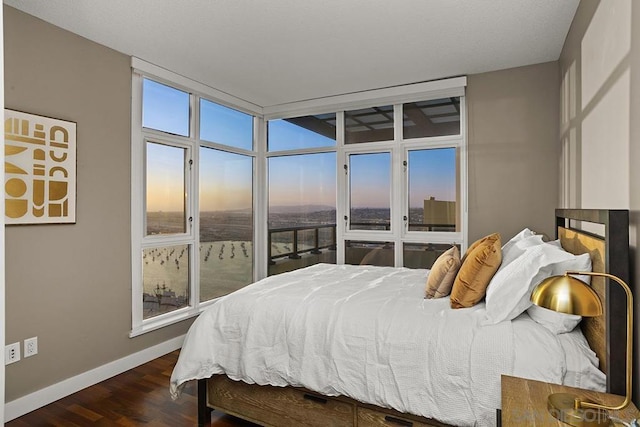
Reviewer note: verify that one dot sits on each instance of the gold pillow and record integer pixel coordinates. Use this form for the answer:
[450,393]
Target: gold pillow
[479,265]
[443,273]
[474,245]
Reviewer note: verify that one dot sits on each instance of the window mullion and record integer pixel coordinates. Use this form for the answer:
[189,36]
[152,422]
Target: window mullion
[194,273]
[260,180]
[342,184]
[194,199]
[398,191]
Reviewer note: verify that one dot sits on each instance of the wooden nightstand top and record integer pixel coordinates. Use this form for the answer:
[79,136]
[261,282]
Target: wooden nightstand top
[524,402]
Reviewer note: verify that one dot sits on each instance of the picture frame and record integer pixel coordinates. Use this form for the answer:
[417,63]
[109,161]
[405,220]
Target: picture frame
[39,169]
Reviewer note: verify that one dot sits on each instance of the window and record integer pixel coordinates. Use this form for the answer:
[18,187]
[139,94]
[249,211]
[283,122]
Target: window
[301,223]
[302,132]
[433,196]
[166,189]
[370,191]
[436,117]
[225,192]
[419,255]
[166,285]
[369,125]
[165,108]
[403,182]
[225,125]
[226,222]
[369,253]
[302,211]
[193,231]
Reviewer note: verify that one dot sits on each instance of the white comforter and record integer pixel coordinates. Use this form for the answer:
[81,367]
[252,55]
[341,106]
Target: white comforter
[366,332]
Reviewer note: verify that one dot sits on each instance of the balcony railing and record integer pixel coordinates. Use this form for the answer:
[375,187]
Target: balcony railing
[296,251]
[413,226]
[314,246]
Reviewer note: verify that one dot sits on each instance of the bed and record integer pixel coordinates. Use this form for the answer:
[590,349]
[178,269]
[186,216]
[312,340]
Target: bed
[270,354]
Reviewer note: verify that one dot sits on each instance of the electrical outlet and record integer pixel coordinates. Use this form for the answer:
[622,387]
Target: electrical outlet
[11,353]
[30,347]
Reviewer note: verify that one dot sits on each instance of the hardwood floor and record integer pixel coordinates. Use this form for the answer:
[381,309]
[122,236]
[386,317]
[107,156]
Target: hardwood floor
[139,397]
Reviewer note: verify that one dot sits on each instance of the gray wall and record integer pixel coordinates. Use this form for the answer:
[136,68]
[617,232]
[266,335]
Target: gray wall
[600,126]
[513,152]
[70,285]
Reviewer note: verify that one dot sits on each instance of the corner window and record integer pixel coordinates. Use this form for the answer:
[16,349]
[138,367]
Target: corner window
[225,192]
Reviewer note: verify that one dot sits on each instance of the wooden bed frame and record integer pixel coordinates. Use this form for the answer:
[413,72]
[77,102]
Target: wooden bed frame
[292,406]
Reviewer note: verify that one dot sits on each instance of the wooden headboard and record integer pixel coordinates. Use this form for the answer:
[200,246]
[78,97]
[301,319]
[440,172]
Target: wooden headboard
[608,245]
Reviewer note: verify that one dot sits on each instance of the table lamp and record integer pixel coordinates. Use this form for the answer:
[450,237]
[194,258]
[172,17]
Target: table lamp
[566,294]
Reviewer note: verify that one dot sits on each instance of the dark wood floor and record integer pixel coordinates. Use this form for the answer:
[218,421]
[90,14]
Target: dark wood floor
[139,397]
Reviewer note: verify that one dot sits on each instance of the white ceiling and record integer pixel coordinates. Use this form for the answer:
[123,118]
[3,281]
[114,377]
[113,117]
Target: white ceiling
[272,52]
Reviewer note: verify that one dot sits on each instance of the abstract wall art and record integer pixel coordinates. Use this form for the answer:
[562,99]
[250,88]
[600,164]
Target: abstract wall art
[39,169]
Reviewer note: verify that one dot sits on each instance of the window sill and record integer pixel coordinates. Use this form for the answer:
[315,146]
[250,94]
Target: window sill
[167,319]
[162,321]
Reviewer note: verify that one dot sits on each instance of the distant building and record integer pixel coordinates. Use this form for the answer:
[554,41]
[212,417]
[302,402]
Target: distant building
[439,214]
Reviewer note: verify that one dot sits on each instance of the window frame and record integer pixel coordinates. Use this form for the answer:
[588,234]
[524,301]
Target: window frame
[441,236]
[375,148]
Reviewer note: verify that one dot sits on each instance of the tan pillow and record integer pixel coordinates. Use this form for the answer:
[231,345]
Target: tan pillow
[443,273]
[479,265]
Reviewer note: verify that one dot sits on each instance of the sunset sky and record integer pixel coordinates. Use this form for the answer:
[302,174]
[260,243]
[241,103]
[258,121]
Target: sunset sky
[309,179]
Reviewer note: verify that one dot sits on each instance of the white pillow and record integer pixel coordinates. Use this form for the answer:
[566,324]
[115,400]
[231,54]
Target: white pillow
[558,323]
[508,293]
[521,235]
[517,248]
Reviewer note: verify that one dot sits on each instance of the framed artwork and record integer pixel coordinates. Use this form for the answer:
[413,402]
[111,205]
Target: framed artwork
[39,169]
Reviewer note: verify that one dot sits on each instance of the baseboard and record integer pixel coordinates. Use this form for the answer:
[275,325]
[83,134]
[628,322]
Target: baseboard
[43,397]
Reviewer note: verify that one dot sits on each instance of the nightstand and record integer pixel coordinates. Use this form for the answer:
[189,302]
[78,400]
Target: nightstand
[524,402]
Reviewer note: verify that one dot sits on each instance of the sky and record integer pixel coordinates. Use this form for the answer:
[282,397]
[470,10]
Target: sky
[225,180]
[283,135]
[309,179]
[432,173]
[165,178]
[370,180]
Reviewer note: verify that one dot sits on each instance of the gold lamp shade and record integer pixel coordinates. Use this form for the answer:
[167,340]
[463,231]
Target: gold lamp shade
[566,294]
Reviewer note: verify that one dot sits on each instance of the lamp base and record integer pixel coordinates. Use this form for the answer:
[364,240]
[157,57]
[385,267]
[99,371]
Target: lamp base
[562,406]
